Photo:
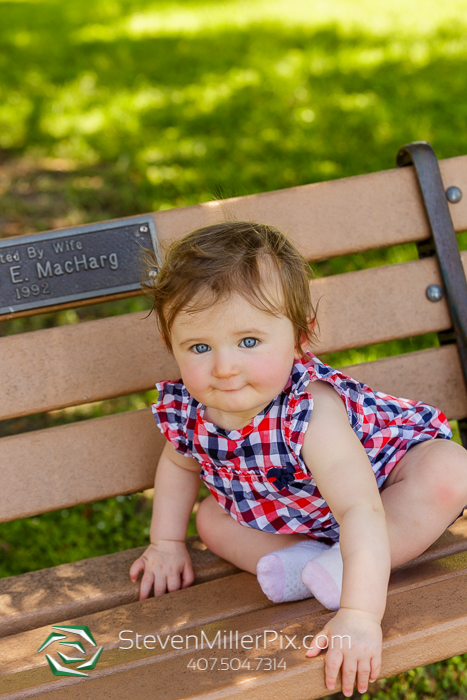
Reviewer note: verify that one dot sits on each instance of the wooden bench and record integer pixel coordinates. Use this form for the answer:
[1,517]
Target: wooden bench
[94,459]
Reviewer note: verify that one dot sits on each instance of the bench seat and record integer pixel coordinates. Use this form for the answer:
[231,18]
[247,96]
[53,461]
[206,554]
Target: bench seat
[428,595]
[59,593]
[49,596]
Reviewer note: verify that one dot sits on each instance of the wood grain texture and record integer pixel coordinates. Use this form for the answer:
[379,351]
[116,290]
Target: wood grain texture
[58,367]
[86,461]
[49,596]
[78,364]
[333,218]
[378,304]
[424,621]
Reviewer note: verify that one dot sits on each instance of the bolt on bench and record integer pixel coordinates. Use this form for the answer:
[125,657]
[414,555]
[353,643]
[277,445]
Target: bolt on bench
[94,459]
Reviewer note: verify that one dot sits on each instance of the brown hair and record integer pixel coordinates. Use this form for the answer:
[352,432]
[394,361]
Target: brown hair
[229,258]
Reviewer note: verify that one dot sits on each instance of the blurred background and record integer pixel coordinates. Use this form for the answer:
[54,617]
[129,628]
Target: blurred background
[119,107]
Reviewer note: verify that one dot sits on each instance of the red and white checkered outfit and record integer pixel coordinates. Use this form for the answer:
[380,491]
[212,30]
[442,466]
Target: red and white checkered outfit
[257,473]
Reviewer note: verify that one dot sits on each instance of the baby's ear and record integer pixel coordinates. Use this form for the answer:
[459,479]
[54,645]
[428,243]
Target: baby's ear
[304,341]
[302,349]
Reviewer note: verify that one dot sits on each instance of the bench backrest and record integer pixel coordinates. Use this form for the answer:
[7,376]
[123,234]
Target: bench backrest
[78,364]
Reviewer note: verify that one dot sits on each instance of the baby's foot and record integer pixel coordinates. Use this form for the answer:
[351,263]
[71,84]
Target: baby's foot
[279,573]
[323,577]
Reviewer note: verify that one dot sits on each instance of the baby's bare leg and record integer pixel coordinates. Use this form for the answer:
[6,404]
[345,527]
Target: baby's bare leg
[422,495]
[242,546]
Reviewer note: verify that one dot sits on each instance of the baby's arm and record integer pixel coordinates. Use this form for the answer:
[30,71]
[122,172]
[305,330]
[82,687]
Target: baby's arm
[166,559]
[342,470]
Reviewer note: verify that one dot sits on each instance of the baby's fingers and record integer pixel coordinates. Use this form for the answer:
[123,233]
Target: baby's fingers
[363,675]
[375,668]
[173,581]
[319,643]
[147,583]
[136,568]
[349,671]
[160,584]
[187,575]
[333,663]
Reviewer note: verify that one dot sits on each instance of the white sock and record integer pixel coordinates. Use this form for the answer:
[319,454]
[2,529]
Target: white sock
[279,572]
[323,577]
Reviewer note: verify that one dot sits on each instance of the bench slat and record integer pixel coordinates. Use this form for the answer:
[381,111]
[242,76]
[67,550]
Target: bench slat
[378,304]
[80,364]
[430,599]
[86,461]
[59,593]
[124,354]
[339,217]
[95,459]
[324,219]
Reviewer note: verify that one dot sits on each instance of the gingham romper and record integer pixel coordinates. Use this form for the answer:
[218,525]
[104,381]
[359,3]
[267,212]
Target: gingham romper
[257,473]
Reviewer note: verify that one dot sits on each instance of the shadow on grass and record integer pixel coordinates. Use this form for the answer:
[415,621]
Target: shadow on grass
[128,123]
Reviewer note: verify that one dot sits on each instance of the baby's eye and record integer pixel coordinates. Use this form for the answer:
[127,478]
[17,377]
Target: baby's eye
[200,348]
[248,343]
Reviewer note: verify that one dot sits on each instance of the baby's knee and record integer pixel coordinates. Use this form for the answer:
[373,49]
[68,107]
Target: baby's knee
[446,476]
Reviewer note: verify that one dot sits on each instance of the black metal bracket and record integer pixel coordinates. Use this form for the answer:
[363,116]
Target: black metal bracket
[421,155]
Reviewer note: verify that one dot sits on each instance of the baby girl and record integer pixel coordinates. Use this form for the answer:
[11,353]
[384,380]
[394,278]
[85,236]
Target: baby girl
[319,485]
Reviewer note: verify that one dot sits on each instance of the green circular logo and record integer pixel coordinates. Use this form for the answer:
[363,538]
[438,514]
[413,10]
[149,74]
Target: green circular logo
[75,650]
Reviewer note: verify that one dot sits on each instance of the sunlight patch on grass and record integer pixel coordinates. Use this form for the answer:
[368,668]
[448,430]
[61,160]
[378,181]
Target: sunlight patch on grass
[379,18]
[414,18]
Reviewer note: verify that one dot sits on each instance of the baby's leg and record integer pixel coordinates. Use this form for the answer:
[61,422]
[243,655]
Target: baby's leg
[277,560]
[242,546]
[423,494]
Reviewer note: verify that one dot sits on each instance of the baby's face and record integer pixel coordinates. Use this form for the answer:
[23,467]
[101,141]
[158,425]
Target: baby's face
[233,358]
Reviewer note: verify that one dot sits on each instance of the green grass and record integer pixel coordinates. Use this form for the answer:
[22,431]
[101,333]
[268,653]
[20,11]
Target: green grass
[117,107]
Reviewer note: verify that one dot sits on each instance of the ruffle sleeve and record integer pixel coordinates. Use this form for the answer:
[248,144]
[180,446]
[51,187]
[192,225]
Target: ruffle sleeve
[298,414]
[171,413]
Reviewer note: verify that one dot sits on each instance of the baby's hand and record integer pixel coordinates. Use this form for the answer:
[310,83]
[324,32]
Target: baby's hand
[360,657]
[164,562]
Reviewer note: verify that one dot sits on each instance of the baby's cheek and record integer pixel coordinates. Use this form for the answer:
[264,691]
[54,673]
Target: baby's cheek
[194,378]
[271,372]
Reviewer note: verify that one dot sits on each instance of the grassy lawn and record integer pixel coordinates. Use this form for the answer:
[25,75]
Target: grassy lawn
[118,107]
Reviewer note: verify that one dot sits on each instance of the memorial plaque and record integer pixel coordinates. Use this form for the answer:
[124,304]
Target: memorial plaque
[87,262]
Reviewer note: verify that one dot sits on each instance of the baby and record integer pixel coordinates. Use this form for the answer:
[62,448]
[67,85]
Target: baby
[316,481]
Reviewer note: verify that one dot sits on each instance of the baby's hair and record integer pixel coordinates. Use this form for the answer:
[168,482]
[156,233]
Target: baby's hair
[234,257]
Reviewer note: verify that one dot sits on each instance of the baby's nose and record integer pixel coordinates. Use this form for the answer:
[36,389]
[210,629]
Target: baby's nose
[225,365]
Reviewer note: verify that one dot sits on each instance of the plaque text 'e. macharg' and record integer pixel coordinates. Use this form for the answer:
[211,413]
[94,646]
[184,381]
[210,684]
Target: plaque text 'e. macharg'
[59,267]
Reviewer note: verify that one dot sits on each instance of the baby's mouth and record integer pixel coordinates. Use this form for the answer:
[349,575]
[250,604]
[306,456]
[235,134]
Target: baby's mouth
[229,389]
